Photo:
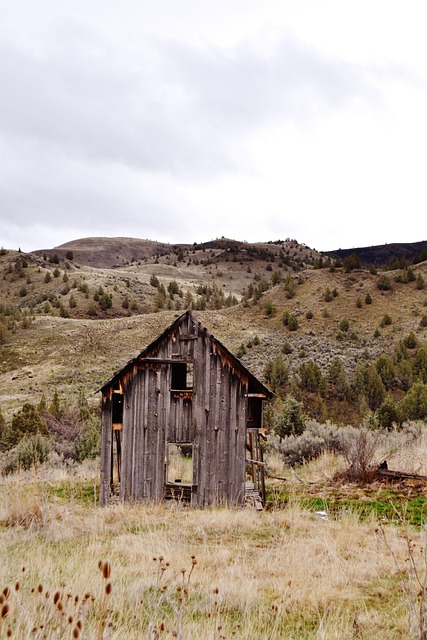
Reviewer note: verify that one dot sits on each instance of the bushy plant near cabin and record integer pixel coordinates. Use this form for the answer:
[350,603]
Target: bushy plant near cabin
[360,449]
[32,451]
[291,421]
[389,415]
[317,438]
[26,422]
[88,443]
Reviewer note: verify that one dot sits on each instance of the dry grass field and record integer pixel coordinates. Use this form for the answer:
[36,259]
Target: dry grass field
[325,560]
[174,572]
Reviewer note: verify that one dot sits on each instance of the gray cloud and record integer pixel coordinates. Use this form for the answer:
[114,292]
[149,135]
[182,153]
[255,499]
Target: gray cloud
[90,126]
[170,108]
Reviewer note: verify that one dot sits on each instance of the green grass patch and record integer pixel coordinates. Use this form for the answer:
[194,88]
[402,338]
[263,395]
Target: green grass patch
[84,492]
[388,504]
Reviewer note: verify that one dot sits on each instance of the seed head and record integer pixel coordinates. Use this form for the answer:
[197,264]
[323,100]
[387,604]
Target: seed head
[106,570]
[108,588]
[4,611]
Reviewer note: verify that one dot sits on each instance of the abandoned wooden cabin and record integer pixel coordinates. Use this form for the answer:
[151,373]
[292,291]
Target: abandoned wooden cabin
[182,420]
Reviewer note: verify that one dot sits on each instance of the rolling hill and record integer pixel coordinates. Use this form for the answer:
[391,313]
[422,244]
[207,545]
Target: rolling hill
[72,315]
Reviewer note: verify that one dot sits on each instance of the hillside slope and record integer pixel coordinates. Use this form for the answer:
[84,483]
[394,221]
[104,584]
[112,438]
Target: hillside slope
[52,344]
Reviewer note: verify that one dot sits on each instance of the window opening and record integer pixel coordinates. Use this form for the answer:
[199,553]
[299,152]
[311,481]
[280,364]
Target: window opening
[117,408]
[182,376]
[180,463]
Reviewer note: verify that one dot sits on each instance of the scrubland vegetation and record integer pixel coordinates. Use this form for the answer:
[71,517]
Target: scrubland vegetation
[328,558]
[336,553]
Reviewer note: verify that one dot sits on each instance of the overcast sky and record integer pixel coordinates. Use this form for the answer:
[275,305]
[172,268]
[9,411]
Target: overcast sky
[187,120]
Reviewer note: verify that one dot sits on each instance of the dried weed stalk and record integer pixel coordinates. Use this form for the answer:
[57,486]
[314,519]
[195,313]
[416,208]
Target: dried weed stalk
[413,575]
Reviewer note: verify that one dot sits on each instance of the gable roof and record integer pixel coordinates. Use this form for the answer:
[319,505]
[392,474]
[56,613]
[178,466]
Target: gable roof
[152,346]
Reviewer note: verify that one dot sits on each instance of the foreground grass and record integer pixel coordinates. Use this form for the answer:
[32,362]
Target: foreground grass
[177,572]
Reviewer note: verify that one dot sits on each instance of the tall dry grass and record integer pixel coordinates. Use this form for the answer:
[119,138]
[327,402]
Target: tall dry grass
[284,574]
[174,572]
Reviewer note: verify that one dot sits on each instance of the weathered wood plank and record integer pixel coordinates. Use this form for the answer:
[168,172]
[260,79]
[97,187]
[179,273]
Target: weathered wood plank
[106,449]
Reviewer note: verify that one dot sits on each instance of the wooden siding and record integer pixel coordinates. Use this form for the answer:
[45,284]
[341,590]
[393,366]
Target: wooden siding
[213,417]
[106,448]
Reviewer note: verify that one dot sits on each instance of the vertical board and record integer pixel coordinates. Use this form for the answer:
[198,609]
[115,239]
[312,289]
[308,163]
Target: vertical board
[106,448]
[126,476]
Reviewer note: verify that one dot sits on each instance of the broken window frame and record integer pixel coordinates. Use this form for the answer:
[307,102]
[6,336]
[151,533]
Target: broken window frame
[180,481]
[182,377]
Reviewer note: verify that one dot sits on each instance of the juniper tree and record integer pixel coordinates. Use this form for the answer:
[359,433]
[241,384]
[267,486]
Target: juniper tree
[291,421]
[25,422]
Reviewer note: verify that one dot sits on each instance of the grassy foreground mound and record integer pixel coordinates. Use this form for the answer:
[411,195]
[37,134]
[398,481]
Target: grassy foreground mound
[73,570]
